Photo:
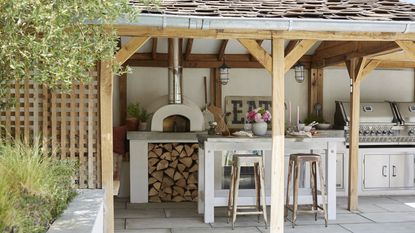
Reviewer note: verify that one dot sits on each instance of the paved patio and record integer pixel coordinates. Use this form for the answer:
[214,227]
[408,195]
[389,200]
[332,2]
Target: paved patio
[393,214]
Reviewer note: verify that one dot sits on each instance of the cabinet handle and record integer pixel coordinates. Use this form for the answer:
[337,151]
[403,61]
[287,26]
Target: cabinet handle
[384,171]
[394,171]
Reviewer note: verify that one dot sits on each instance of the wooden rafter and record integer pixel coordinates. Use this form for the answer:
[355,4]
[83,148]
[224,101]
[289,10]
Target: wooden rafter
[297,52]
[221,52]
[258,52]
[408,47]
[189,46]
[154,48]
[130,48]
[370,66]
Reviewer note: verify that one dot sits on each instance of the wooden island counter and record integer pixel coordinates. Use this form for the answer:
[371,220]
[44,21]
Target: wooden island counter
[211,148]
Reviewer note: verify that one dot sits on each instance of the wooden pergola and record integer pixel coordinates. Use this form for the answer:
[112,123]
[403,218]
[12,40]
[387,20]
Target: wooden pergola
[361,52]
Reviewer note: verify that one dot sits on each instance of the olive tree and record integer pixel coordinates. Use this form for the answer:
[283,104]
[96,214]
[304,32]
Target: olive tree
[56,42]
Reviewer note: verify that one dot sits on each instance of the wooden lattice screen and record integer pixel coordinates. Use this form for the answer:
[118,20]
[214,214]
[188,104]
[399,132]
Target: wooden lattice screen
[66,123]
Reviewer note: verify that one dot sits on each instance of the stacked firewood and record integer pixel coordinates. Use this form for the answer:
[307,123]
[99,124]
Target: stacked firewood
[172,169]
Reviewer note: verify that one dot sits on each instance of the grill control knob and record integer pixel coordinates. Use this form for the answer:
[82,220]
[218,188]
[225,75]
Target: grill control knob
[411,132]
[384,132]
[366,132]
[379,133]
[390,133]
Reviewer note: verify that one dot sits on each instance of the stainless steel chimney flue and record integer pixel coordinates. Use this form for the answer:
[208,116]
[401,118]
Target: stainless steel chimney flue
[175,71]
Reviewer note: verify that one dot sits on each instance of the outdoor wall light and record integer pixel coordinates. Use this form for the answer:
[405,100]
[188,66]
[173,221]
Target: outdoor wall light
[299,73]
[224,73]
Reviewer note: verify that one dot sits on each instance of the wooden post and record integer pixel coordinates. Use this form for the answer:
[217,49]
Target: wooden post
[123,98]
[215,88]
[315,89]
[277,173]
[105,92]
[354,145]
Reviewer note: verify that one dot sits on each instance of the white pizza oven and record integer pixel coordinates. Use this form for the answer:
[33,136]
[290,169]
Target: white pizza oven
[174,113]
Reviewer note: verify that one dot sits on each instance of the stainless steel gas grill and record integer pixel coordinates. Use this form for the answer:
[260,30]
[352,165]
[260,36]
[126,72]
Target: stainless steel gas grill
[406,114]
[381,123]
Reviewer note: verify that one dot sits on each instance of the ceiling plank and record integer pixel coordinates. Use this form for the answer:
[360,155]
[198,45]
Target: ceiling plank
[297,52]
[408,47]
[154,48]
[258,52]
[130,48]
[189,47]
[222,49]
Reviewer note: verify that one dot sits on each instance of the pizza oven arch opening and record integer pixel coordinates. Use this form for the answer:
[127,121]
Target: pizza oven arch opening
[176,123]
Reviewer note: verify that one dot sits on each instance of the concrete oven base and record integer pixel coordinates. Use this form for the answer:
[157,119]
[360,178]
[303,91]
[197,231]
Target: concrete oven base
[139,158]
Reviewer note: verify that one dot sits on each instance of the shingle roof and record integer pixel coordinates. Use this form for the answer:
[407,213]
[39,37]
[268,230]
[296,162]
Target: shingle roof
[375,10]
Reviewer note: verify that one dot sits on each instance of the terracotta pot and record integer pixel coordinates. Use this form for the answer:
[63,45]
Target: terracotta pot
[132,124]
[142,126]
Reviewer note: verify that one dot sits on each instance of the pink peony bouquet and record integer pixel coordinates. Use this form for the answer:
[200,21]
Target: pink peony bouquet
[258,115]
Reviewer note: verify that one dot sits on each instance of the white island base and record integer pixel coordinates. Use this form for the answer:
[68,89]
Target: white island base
[210,152]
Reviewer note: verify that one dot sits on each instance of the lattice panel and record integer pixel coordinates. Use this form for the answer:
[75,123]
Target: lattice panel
[67,124]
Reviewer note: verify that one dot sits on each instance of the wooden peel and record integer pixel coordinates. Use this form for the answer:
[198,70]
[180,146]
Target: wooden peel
[221,128]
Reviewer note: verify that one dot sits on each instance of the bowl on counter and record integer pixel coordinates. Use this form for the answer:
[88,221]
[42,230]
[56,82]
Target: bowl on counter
[323,126]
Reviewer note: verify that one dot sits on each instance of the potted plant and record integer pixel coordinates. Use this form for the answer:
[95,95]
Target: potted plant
[259,118]
[133,113]
[143,118]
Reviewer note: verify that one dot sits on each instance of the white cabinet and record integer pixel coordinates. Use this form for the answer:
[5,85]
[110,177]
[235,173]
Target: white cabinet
[386,171]
[401,171]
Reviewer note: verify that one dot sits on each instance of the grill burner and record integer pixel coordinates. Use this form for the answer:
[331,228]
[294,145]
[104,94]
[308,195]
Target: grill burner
[381,123]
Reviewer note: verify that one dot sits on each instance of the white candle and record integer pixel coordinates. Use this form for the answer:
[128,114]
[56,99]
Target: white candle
[289,113]
[298,115]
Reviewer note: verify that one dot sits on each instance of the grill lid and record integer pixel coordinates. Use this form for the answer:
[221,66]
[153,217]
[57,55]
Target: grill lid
[373,113]
[407,112]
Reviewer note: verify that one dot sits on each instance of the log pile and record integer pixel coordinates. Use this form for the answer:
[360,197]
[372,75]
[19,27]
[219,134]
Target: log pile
[172,169]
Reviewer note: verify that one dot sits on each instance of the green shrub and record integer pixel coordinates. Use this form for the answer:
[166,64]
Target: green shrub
[34,188]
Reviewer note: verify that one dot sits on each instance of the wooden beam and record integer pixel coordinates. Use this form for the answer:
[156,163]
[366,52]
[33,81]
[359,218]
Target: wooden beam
[408,47]
[278,128]
[222,49]
[370,66]
[154,48]
[258,52]
[123,98]
[218,88]
[203,61]
[134,30]
[290,46]
[130,48]
[315,89]
[189,46]
[297,52]
[105,93]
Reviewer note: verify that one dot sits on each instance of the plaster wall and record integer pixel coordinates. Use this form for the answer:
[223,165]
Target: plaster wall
[146,84]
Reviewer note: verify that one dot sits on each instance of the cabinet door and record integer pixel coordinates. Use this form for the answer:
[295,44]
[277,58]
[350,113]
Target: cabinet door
[376,171]
[401,171]
[339,171]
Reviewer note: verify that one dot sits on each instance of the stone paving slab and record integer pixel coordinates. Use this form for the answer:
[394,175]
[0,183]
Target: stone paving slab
[148,223]
[217,230]
[381,227]
[139,213]
[390,217]
[309,229]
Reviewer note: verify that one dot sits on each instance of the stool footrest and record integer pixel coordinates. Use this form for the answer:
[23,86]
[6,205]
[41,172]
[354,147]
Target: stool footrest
[250,213]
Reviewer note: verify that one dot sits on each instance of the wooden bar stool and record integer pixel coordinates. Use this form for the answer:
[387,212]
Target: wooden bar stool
[294,166]
[248,160]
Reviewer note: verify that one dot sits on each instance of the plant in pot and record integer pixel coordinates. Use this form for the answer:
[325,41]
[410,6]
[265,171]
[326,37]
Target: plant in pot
[259,118]
[143,118]
[133,113]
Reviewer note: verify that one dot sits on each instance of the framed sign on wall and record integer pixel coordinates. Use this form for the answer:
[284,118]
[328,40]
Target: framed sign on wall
[236,108]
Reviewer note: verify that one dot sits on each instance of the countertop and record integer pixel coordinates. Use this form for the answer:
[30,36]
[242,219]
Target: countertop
[332,135]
